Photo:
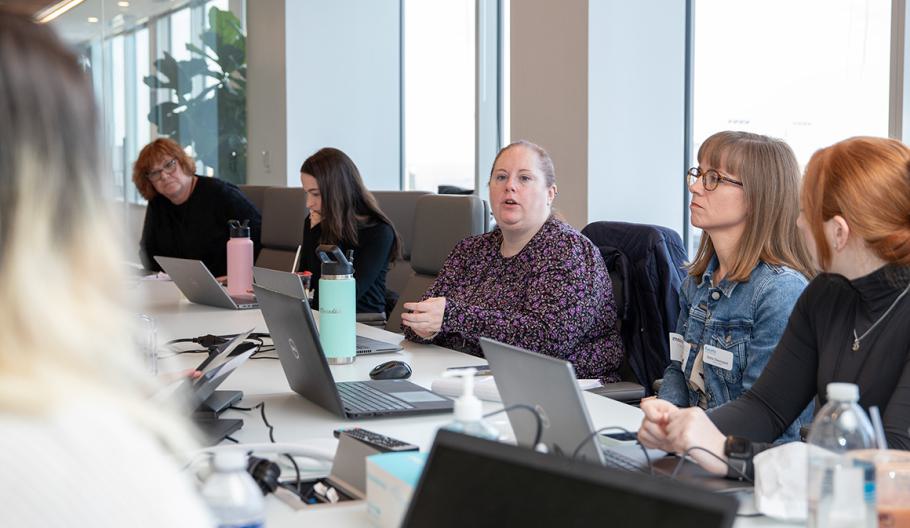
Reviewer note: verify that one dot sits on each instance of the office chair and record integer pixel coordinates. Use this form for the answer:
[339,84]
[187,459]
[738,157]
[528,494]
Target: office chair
[440,222]
[255,194]
[646,264]
[399,206]
[283,214]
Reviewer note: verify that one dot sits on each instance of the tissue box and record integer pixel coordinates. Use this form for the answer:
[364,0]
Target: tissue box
[391,479]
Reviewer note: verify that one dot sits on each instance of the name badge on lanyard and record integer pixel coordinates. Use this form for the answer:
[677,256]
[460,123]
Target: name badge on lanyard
[718,357]
[679,349]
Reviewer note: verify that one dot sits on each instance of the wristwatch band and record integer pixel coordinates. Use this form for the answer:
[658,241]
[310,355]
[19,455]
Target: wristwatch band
[739,453]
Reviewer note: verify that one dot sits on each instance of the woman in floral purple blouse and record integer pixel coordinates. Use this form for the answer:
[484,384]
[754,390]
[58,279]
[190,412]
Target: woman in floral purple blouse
[534,282]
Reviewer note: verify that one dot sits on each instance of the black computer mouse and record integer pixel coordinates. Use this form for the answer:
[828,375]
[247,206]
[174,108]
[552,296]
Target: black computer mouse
[391,370]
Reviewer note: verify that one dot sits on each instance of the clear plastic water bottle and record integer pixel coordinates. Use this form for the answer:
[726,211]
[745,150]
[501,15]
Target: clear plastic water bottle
[841,489]
[232,494]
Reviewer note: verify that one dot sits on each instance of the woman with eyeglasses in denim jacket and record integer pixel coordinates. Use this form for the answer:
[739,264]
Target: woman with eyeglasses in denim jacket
[750,268]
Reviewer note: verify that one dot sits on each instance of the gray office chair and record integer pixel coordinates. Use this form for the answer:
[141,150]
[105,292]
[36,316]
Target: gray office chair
[440,222]
[283,213]
[399,206]
[255,194]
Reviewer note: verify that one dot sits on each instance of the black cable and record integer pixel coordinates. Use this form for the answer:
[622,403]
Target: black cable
[261,407]
[614,428]
[296,470]
[685,454]
[232,439]
[537,417]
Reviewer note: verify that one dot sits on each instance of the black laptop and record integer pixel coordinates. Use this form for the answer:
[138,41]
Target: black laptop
[469,481]
[296,339]
[290,284]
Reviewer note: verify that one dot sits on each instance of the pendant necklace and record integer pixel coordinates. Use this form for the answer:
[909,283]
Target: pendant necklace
[857,339]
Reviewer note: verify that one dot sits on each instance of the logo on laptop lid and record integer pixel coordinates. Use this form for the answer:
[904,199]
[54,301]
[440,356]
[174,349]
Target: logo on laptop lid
[294,350]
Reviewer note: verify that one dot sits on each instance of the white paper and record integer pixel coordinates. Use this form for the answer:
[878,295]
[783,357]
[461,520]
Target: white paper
[485,387]
[679,348]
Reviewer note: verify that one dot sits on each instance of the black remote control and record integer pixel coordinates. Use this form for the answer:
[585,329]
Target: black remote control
[381,442]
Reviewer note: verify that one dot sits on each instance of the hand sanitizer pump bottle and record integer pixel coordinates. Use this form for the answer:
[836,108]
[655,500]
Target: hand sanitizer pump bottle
[469,410]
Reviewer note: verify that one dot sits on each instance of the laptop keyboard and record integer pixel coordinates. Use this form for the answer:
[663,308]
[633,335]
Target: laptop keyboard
[359,397]
[615,460]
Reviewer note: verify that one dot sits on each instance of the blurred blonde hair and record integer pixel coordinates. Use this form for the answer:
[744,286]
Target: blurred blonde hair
[65,328]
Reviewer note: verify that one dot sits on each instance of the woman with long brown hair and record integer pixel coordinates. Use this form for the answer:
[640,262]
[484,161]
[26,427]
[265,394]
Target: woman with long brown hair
[750,268]
[344,213]
[850,324]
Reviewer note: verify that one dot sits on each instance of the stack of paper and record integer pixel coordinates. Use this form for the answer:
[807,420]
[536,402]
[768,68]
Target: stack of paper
[485,387]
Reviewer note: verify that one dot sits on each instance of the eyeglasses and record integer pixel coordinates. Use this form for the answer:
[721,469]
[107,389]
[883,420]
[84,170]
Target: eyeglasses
[168,168]
[710,178]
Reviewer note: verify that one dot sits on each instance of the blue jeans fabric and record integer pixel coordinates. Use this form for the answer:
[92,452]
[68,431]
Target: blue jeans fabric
[744,318]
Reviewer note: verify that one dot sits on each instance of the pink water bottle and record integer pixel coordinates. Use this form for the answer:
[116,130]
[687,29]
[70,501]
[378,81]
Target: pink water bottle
[239,259]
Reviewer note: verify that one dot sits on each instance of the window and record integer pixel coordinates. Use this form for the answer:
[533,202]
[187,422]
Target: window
[119,47]
[811,72]
[439,93]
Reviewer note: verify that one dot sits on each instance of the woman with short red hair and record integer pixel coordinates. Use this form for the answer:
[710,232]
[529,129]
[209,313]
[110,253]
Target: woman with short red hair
[187,215]
[850,324]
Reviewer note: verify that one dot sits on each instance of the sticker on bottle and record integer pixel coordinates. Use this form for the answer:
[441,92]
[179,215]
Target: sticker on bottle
[679,349]
[718,357]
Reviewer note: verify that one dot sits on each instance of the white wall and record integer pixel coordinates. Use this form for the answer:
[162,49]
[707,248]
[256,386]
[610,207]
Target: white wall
[636,98]
[324,74]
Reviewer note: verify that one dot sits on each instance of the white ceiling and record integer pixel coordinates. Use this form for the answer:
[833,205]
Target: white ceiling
[74,26]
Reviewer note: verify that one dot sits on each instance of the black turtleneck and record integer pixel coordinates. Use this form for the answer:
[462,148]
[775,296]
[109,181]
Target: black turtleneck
[816,349]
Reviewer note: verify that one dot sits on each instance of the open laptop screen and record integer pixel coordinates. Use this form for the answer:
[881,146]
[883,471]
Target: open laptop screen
[472,482]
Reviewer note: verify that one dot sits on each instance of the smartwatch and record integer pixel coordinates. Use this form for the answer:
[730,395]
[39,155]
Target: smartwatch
[739,457]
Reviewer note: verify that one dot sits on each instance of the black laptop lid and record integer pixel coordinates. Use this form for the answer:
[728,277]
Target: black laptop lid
[296,339]
[468,481]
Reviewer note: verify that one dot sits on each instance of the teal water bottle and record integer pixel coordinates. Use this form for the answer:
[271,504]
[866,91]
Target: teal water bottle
[337,306]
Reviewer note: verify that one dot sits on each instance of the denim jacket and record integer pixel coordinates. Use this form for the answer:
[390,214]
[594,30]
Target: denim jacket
[744,318]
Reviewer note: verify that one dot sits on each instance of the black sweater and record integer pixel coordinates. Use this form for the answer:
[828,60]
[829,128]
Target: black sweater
[198,228]
[371,262]
[816,349]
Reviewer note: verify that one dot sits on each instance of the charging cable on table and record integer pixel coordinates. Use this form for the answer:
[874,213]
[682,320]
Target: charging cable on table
[613,428]
[526,407]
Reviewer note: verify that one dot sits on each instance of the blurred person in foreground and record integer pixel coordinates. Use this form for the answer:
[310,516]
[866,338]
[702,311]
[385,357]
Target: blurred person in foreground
[80,442]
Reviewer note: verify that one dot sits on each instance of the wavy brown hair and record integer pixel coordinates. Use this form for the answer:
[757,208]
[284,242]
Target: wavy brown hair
[770,175]
[346,202]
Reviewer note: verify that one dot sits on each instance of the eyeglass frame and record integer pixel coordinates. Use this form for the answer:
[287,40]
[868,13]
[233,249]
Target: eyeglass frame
[155,175]
[694,173]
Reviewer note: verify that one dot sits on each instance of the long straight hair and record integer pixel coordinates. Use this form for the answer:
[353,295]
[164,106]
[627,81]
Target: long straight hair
[345,199]
[770,175]
[64,321]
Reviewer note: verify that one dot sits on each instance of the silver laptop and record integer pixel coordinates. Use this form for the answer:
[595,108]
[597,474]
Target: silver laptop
[548,384]
[199,286]
[291,285]
[296,339]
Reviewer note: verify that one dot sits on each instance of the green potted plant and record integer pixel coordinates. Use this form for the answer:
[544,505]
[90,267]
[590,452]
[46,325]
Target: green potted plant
[213,120]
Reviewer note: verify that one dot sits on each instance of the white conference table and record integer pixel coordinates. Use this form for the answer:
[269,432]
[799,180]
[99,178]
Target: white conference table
[299,421]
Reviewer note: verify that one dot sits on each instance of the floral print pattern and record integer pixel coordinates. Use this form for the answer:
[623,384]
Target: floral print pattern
[554,297]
